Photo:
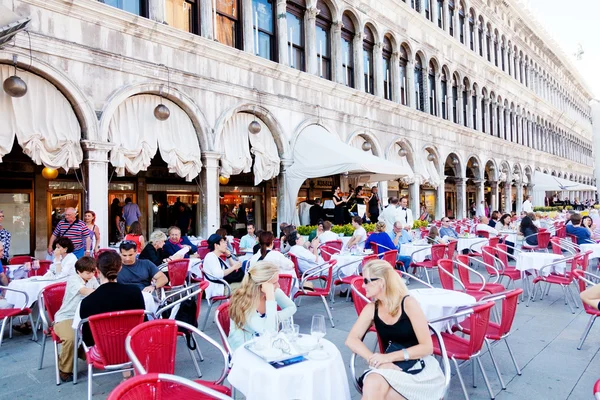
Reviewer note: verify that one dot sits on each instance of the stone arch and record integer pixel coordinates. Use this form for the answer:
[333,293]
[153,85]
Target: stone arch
[492,169]
[185,102]
[305,124]
[477,168]
[505,173]
[437,161]
[454,163]
[334,9]
[368,137]
[372,25]
[405,145]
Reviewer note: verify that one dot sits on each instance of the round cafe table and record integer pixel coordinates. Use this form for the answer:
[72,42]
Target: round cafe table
[594,247]
[407,249]
[466,243]
[31,286]
[347,264]
[438,303]
[532,262]
[307,380]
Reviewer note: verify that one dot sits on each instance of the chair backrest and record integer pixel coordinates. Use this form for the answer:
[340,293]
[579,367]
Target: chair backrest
[100,251]
[451,249]
[581,284]
[502,254]
[390,256]
[277,244]
[489,260]
[509,310]
[584,260]
[543,239]
[463,273]
[154,343]
[493,241]
[285,283]
[572,237]
[178,270]
[44,267]
[368,258]
[483,234]
[327,251]
[445,269]
[20,260]
[52,297]
[375,248]
[336,244]
[223,322]
[360,300]
[203,251]
[424,233]
[479,321]
[329,277]
[561,232]
[438,251]
[163,387]
[109,331]
[556,247]
[235,243]
[296,267]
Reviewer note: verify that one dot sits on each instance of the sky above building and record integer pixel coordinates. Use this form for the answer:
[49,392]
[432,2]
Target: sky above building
[571,24]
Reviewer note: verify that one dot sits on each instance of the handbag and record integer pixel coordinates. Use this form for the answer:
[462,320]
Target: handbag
[408,365]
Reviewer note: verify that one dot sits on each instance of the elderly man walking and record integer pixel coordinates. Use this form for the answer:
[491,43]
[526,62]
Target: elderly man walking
[73,228]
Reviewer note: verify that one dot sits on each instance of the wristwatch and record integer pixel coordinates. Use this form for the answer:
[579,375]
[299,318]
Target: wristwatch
[406,355]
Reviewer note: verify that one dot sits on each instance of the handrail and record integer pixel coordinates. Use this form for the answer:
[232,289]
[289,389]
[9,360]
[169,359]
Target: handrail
[486,265]
[483,281]
[452,276]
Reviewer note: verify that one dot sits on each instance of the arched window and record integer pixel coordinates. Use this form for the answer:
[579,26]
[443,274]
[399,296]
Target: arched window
[498,116]
[511,116]
[440,13]
[263,12]
[484,111]
[515,63]
[228,30]
[295,24]
[472,30]
[496,48]
[180,14]
[403,82]
[368,44]
[465,101]
[491,113]
[508,59]
[454,99]
[432,94]
[416,4]
[323,33]
[461,23]
[348,33]
[387,71]
[502,54]
[451,16]
[488,42]
[475,106]
[444,94]
[419,94]
[427,6]
[522,71]
[506,120]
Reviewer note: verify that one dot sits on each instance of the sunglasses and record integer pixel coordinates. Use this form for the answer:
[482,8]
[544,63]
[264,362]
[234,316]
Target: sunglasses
[367,281]
[128,242]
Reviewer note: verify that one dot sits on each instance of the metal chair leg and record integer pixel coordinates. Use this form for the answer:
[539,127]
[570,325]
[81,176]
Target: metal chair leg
[489,347]
[43,349]
[196,366]
[328,311]
[348,294]
[513,357]
[56,362]
[33,328]
[474,373]
[332,294]
[90,377]
[2,330]
[207,315]
[487,382]
[460,378]
[567,302]
[586,331]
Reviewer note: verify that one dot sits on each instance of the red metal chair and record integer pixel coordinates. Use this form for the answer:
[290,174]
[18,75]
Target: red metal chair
[7,314]
[336,244]
[203,251]
[464,271]
[152,348]
[203,243]
[493,242]
[286,282]
[564,281]
[459,348]
[506,270]
[438,251]
[49,301]
[223,325]
[16,260]
[561,232]
[483,234]
[497,332]
[44,267]
[178,270]
[277,244]
[359,296]
[543,242]
[319,292]
[390,256]
[347,280]
[327,251]
[108,353]
[451,249]
[597,390]
[235,243]
[583,280]
[163,387]
[215,299]
[447,279]
[572,237]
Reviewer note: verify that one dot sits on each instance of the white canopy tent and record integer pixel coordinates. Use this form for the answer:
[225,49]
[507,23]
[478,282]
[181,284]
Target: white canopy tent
[318,153]
[547,183]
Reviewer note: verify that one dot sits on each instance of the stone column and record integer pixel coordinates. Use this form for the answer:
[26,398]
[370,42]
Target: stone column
[378,74]
[459,105]
[505,58]
[337,70]
[470,105]
[156,12]
[209,193]
[359,71]
[480,195]
[461,198]
[207,18]
[282,33]
[395,74]
[426,89]
[283,214]
[502,120]
[96,183]
[310,18]
[494,127]
[410,83]
[486,121]
[507,196]
[519,199]
[433,10]
[419,6]
[248,27]
[484,44]
[475,36]
[438,94]
[440,201]
[494,204]
[446,17]
[414,199]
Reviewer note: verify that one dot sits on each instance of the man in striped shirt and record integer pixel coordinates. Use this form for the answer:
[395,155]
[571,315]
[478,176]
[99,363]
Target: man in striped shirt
[74,229]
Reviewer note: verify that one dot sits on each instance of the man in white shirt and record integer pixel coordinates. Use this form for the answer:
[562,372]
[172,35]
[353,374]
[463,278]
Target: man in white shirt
[306,259]
[248,241]
[359,237]
[404,214]
[483,226]
[527,206]
[327,235]
[389,214]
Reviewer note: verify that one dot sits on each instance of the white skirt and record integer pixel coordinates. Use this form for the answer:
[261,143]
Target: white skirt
[426,385]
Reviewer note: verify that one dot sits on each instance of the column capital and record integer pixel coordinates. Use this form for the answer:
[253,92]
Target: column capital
[312,12]
[286,163]
[336,26]
[96,151]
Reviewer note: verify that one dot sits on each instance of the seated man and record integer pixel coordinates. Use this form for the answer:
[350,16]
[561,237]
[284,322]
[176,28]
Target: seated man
[3,280]
[306,259]
[446,230]
[248,241]
[141,273]
[485,227]
[177,242]
[583,234]
[359,237]
[327,235]
[400,236]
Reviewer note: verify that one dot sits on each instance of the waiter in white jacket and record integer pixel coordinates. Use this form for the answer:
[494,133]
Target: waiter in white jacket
[527,206]
[390,214]
[404,214]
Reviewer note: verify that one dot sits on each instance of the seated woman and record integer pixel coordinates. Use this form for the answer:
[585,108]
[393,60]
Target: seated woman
[399,321]
[78,286]
[534,219]
[381,238]
[215,267]
[64,259]
[529,232]
[591,296]
[135,235]
[505,224]
[253,307]
[434,236]
[266,253]
[176,242]
[154,249]
[588,224]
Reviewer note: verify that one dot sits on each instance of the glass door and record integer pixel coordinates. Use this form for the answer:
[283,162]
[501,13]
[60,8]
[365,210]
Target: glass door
[18,220]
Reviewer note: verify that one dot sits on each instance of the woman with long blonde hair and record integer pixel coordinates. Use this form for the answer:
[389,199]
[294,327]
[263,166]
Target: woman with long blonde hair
[406,370]
[253,307]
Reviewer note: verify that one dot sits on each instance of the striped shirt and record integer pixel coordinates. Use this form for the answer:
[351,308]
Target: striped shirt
[77,233]
[5,239]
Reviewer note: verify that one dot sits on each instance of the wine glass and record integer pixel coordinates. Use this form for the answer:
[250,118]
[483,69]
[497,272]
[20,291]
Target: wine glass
[317,328]
[35,266]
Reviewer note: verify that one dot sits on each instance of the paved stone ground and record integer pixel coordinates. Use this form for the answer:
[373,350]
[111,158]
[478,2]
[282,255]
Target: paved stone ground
[545,337]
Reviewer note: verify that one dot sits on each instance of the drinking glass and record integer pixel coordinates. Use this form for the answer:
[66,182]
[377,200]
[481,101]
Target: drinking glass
[27,266]
[317,328]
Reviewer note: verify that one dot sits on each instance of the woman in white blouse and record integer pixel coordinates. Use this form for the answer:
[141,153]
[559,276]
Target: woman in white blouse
[64,259]
[266,253]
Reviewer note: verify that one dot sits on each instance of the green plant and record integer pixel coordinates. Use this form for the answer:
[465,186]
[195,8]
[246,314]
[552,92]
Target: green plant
[306,229]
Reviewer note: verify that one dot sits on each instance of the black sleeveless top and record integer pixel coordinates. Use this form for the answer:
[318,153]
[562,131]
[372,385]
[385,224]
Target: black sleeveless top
[401,332]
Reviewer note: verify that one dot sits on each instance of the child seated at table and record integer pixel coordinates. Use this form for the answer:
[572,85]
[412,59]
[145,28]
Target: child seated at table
[253,307]
[78,286]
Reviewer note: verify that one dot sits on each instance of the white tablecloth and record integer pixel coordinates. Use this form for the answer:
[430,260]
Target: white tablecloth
[149,304]
[437,303]
[466,243]
[595,248]
[532,261]
[408,248]
[10,269]
[308,380]
[31,286]
[347,264]
[345,240]
[511,236]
